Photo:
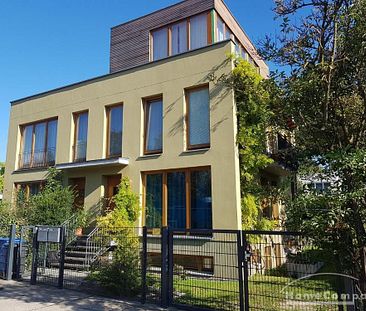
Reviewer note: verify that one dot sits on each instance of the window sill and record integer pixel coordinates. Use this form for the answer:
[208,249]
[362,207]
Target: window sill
[149,156]
[195,151]
[32,169]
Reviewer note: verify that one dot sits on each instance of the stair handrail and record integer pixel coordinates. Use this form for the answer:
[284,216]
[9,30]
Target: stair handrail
[70,226]
[96,245]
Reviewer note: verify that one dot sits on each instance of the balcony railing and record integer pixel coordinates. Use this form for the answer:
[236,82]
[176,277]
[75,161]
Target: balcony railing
[79,151]
[37,158]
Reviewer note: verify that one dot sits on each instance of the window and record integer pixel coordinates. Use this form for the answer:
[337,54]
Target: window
[26,190]
[114,132]
[38,144]
[160,43]
[198,118]
[198,34]
[179,38]
[179,199]
[220,30]
[81,135]
[153,126]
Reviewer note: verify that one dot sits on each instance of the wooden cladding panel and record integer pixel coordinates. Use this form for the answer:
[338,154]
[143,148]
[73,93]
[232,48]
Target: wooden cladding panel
[130,41]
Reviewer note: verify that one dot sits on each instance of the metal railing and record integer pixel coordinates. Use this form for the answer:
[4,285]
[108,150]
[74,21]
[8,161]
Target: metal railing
[70,226]
[97,243]
[37,158]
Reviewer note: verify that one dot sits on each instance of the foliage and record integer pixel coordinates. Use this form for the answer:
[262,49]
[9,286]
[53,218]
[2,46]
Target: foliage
[2,170]
[7,217]
[325,94]
[253,118]
[52,205]
[121,277]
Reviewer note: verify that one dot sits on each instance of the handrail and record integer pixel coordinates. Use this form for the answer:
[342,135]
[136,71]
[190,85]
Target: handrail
[70,226]
[96,245]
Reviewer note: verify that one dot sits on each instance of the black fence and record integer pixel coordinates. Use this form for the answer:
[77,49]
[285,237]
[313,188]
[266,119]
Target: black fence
[193,269]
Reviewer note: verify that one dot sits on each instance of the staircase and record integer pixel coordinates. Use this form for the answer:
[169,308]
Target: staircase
[77,254]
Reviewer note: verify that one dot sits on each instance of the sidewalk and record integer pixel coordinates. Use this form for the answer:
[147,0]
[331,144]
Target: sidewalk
[20,296]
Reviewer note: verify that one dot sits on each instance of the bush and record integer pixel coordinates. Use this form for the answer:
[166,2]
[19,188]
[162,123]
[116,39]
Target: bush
[121,276]
[7,217]
[51,206]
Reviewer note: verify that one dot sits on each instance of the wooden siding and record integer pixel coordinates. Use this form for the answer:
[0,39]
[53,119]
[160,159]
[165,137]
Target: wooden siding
[130,41]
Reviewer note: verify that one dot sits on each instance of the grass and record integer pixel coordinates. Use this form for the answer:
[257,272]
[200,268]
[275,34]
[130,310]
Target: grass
[265,293]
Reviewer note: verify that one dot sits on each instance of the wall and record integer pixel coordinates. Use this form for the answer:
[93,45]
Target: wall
[168,77]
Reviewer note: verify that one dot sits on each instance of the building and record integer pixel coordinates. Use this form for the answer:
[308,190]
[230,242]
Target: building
[157,118]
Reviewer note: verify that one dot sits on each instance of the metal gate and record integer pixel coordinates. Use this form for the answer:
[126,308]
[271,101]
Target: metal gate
[41,255]
[250,270]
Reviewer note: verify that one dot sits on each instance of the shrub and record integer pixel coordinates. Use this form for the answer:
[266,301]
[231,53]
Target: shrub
[51,206]
[121,276]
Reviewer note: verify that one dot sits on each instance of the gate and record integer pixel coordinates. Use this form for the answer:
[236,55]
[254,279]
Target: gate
[41,255]
[250,270]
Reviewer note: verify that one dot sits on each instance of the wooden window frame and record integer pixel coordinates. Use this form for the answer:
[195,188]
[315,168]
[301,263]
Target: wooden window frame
[76,116]
[188,186]
[187,119]
[210,33]
[33,124]
[108,110]
[146,101]
[27,186]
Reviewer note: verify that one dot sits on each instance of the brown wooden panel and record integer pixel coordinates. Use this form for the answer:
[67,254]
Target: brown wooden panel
[130,41]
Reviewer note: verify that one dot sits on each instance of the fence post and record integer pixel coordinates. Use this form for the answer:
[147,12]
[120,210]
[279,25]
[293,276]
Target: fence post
[144,265]
[35,247]
[240,269]
[62,258]
[164,267]
[246,271]
[170,267]
[10,255]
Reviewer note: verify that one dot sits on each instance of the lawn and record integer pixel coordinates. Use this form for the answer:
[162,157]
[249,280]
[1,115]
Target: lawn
[265,293]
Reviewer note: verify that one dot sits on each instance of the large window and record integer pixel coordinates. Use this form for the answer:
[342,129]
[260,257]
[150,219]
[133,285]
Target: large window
[198,118]
[114,132]
[28,189]
[180,37]
[81,136]
[153,126]
[38,144]
[179,199]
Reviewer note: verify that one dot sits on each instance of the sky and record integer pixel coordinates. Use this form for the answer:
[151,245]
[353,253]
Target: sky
[47,44]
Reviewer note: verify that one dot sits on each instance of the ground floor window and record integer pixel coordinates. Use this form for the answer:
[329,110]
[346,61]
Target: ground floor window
[180,199]
[27,189]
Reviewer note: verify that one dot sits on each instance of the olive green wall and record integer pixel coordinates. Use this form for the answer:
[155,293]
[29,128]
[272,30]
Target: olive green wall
[168,77]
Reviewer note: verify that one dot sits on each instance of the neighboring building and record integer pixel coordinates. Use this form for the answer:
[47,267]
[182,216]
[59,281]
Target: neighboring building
[156,117]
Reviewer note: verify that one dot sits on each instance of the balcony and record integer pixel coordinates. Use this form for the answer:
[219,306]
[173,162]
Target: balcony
[37,159]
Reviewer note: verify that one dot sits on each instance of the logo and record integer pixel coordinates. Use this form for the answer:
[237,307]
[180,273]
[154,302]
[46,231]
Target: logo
[323,289]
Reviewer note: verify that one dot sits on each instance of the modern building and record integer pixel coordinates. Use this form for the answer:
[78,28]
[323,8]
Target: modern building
[157,117]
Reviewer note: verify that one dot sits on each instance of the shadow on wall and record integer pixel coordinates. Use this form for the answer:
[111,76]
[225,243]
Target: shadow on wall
[218,92]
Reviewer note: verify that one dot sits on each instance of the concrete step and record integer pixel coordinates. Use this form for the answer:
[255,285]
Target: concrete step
[71,266]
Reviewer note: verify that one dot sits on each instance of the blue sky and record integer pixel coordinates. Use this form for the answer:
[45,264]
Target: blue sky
[47,44]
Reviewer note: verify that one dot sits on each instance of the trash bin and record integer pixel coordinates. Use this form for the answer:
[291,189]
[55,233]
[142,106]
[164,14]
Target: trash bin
[4,246]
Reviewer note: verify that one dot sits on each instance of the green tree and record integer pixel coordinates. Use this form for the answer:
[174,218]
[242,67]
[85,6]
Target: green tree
[325,94]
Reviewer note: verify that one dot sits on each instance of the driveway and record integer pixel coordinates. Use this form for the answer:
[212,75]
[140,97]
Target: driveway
[20,296]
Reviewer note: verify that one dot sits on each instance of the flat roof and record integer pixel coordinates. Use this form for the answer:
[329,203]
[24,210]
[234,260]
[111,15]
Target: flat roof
[117,73]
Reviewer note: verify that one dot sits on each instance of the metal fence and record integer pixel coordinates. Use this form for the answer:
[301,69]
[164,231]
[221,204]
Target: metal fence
[193,269]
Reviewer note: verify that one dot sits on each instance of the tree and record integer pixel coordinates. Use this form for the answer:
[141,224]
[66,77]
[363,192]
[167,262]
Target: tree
[325,94]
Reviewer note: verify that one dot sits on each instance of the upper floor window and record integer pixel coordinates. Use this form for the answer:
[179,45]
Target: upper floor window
[198,31]
[153,126]
[114,131]
[221,33]
[38,144]
[173,39]
[198,117]
[81,136]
